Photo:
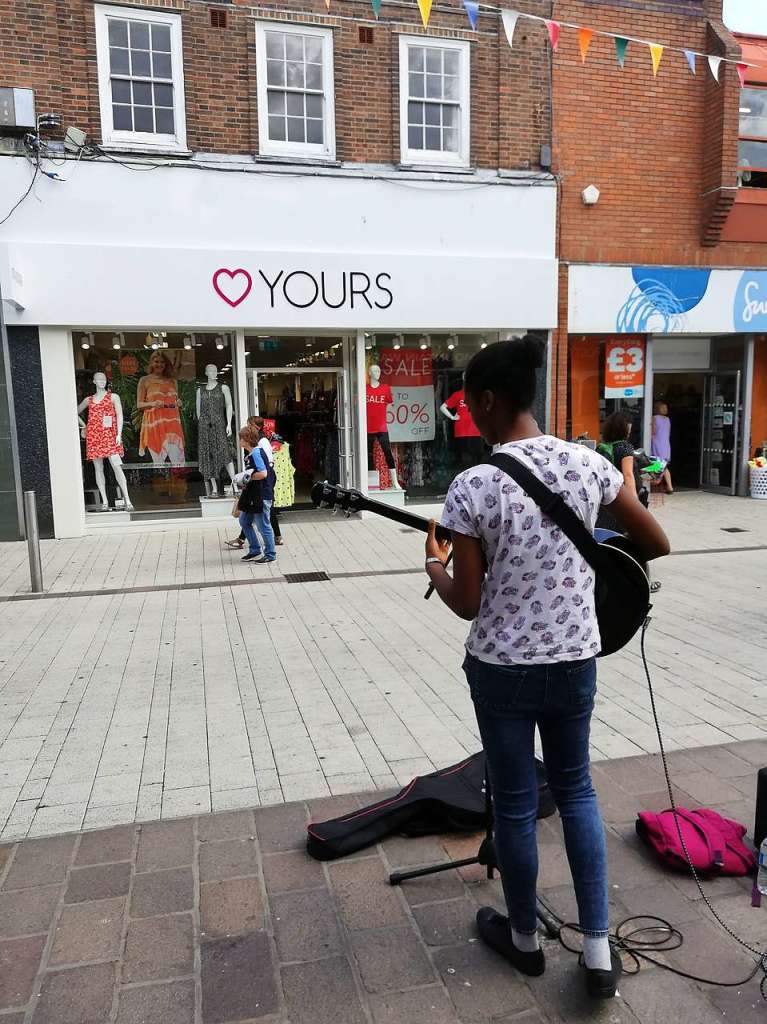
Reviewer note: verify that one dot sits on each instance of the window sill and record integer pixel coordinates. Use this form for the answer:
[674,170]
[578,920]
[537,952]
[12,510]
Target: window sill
[137,149]
[436,168]
[301,161]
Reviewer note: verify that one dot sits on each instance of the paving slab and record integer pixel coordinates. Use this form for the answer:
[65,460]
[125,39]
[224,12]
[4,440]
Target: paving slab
[329,706]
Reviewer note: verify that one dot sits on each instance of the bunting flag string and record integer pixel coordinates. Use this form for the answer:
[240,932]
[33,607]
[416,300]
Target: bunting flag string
[656,52]
[553,30]
[472,12]
[621,45]
[585,35]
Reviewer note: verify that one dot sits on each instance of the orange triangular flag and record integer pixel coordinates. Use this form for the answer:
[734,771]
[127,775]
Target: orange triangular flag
[424,6]
[656,52]
[585,35]
[742,69]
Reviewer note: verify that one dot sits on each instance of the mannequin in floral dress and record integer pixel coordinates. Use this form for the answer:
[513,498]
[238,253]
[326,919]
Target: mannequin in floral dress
[157,397]
[103,437]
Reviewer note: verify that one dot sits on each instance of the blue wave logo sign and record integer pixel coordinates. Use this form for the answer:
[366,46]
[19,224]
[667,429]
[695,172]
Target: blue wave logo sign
[660,299]
[750,309]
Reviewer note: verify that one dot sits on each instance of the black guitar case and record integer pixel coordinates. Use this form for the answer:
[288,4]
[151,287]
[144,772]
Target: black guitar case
[449,800]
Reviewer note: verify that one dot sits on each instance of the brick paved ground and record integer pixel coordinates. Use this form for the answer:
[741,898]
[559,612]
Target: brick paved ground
[129,706]
[224,918]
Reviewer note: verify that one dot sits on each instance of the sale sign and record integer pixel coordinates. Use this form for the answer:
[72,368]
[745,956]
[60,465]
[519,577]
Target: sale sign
[624,368]
[408,372]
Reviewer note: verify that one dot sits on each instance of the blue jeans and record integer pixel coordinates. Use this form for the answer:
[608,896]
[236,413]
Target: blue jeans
[559,698]
[263,524]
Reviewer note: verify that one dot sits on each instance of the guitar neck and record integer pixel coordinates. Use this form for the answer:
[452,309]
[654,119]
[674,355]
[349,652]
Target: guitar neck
[399,515]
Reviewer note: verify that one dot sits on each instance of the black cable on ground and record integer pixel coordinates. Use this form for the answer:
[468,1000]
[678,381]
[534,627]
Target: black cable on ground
[641,934]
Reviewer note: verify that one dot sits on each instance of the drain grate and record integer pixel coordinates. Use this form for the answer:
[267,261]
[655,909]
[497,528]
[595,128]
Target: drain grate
[307,577]
[732,529]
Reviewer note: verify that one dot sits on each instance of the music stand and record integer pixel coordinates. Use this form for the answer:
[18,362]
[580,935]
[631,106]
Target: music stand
[486,858]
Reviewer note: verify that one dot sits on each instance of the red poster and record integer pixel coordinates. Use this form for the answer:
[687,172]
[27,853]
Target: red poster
[624,368]
[406,367]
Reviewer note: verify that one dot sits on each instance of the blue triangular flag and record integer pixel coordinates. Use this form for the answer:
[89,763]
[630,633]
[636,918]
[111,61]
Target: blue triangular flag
[472,10]
[690,60]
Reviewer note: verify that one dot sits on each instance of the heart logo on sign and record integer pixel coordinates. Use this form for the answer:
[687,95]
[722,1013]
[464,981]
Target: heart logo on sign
[229,288]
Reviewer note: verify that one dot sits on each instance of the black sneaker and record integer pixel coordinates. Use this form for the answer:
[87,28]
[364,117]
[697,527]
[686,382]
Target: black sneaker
[495,932]
[256,556]
[603,984]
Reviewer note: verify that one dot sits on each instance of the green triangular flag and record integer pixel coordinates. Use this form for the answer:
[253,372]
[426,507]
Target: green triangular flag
[621,45]
[376,5]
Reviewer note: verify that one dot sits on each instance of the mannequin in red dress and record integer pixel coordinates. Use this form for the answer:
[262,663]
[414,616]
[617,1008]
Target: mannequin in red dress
[103,437]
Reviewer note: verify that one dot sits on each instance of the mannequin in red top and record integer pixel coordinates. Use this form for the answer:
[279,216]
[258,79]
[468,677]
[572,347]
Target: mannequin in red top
[379,397]
[471,449]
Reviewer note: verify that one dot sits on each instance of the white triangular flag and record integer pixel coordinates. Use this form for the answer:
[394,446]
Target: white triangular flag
[713,63]
[509,24]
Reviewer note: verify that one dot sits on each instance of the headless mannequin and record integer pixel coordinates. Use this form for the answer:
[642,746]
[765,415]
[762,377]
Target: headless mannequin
[375,382]
[100,381]
[211,378]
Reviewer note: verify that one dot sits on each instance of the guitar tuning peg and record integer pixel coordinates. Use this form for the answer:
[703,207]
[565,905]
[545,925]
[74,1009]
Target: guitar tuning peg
[348,513]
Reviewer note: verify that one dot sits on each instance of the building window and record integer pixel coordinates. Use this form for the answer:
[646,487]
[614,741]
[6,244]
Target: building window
[294,72]
[141,79]
[752,145]
[434,101]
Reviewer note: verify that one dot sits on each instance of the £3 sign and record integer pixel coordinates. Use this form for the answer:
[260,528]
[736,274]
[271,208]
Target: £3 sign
[624,368]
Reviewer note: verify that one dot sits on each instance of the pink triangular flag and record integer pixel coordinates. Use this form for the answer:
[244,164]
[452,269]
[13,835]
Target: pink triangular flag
[714,64]
[742,69]
[509,19]
[553,30]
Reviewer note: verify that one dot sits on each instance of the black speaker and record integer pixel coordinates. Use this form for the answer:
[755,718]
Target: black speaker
[760,817]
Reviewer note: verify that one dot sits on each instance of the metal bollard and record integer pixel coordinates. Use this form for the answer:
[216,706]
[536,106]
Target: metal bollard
[33,541]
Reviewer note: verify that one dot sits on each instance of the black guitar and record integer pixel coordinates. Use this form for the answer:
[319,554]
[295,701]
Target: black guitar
[622,590]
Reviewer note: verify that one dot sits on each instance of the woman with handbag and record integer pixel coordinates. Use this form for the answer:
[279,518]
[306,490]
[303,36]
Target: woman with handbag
[530,654]
[255,502]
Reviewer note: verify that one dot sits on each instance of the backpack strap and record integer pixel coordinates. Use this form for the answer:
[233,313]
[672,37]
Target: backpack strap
[709,831]
[553,505]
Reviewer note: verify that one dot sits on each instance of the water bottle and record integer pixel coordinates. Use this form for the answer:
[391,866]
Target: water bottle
[761,878]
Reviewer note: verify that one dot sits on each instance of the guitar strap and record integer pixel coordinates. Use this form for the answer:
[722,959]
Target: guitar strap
[554,506]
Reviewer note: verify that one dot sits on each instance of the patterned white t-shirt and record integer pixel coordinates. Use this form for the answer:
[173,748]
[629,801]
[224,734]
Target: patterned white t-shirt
[538,594]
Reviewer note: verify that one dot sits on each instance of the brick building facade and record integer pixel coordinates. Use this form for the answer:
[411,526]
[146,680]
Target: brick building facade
[663,153]
[256,195]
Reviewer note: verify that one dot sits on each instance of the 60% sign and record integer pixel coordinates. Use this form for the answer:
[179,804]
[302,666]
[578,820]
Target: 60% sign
[411,415]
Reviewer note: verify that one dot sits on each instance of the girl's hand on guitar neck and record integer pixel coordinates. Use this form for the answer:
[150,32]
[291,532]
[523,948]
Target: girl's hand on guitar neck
[436,548]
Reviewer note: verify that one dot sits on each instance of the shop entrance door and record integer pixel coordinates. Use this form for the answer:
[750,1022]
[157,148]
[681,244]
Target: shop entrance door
[310,408]
[721,432]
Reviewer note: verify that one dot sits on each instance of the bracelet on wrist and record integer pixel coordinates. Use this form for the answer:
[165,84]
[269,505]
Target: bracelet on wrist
[433,560]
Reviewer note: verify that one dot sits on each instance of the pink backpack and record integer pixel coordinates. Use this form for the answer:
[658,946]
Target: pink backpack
[715,844]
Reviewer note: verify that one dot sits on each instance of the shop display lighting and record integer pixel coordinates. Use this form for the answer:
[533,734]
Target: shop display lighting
[397,341]
[452,341]
[483,343]
[219,342]
[87,341]
[425,342]
[187,341]
[117,341]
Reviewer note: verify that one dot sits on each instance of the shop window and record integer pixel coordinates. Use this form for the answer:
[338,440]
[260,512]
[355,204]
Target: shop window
[434,101]
[156,375]
[294,73]
[426,429]
[605,375]
[752,145]
[141,78]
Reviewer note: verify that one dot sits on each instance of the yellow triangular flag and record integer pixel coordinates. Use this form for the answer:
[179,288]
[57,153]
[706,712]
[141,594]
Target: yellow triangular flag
[585,35]
[424,6]
[656,52]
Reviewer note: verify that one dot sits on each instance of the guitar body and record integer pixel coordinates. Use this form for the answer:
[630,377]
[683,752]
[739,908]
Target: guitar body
[622,590]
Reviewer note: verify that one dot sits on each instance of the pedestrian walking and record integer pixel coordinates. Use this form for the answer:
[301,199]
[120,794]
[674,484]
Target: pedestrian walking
[255,501]
[530,653]
[660,446]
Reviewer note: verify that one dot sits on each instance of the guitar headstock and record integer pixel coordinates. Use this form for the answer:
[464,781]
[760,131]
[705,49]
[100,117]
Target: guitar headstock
[325,495]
